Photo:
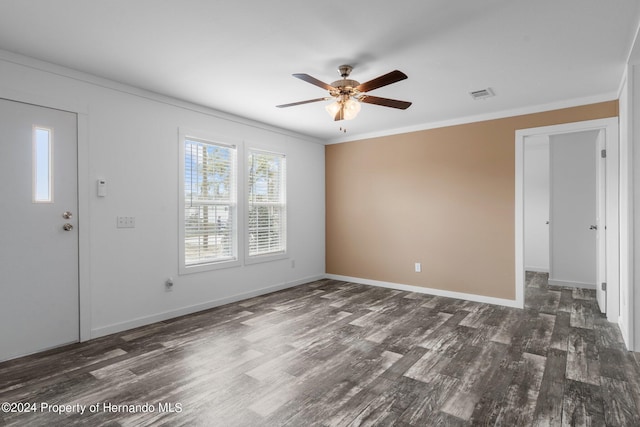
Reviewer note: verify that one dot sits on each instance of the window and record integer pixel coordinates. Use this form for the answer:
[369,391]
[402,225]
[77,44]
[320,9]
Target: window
[224,213]
[267,207]
[42,165]
[209,212]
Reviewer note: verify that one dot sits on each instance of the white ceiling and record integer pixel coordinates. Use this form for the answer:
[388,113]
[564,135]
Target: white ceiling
[238,56]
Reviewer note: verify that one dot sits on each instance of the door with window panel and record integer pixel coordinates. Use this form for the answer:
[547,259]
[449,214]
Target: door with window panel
[39,307]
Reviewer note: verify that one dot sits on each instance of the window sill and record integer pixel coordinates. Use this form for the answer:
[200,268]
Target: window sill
[257,259]
[212,266]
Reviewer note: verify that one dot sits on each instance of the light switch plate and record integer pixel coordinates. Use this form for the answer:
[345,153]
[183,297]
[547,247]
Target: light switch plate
[126,222]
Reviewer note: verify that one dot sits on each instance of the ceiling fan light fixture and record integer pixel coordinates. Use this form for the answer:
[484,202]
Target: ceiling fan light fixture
[351,109]
[333,108]
[347,108]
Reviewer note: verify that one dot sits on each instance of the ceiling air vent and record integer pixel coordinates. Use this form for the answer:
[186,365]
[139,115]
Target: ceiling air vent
[482,93]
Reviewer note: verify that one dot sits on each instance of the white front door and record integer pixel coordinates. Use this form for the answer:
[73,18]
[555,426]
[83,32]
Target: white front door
[39,306]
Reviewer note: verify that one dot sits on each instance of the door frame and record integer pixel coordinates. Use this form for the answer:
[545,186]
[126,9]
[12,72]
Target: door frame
[601,221]
[609,126]
[84,192]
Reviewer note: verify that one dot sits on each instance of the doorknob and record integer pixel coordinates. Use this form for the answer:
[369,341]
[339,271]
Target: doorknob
[67,227]
[593,227]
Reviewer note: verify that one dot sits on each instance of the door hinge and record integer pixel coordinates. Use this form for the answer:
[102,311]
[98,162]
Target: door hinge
[603,286]
[603,154]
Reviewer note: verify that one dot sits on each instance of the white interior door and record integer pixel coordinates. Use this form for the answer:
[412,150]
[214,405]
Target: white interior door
[573,184]
[39,307]
[536,203]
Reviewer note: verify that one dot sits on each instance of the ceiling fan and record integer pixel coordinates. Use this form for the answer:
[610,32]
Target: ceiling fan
[348,94]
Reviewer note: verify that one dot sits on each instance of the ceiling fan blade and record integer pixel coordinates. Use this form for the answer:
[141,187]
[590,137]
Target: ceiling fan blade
[307,78]
[385,102]
[303,102]
[387,79]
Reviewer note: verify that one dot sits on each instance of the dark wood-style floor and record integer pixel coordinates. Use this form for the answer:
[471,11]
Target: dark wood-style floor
[336,354]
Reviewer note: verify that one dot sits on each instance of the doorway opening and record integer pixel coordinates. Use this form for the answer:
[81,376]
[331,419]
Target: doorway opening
[605,264]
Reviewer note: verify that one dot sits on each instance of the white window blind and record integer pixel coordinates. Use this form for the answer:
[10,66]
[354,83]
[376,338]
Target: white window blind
[267,226]
[210,202]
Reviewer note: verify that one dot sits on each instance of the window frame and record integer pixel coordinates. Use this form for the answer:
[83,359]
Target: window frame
[235,260]
[273,256]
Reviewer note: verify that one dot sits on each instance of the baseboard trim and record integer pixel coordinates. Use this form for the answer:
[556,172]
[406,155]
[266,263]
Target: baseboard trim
[430,291]
[536,269]
[147,320]
[571,284]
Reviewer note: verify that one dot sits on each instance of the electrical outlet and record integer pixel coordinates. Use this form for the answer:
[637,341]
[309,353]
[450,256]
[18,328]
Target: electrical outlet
[126,222]
[168,284]
[418,267]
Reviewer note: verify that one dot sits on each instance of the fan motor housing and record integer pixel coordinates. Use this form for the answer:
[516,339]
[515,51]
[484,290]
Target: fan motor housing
[346,86]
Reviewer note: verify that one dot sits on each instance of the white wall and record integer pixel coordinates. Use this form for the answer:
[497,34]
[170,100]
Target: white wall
[629,114]
[573,209]
[635,148]
[536,203]
[130,138]
[626,212]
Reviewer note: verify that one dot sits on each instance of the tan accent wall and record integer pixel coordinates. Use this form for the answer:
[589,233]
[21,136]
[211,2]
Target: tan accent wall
[443,197]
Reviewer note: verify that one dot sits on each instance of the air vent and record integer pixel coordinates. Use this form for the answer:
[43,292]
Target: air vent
[482,93]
